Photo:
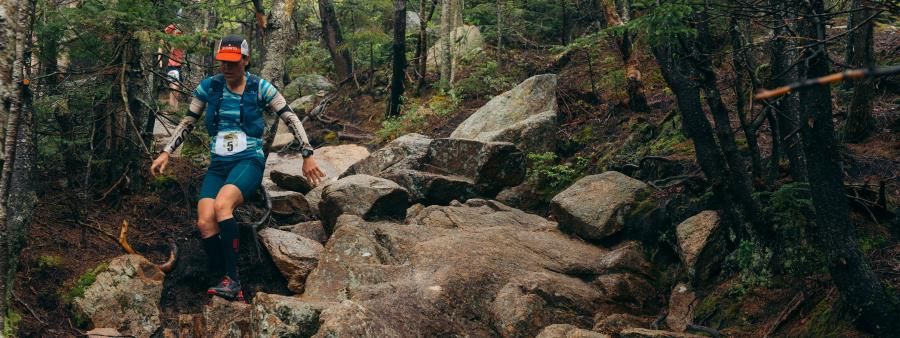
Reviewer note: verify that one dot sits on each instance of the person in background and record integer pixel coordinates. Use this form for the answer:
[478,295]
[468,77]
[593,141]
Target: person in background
[173,66]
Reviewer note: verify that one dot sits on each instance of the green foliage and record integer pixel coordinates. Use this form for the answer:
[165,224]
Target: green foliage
[11,322]
[551,177]
[444,104]
[485,80]
[869,243]
[308,57]
[663,22]
[671,139]
[413,120]
[85,281]
[417,114]
[752,262]
[523,22]
[790,209]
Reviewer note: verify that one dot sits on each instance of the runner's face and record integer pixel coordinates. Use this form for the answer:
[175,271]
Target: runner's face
[234,70]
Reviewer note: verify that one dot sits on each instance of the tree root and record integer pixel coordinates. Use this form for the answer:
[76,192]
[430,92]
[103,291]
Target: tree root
[165,267]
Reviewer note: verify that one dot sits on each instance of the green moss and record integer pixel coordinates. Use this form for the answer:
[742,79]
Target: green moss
[720,311]
[869,243]
[584,136]
[670,140]
[643,207]
[85,281]
[825,322]
[49,262]
[11,323]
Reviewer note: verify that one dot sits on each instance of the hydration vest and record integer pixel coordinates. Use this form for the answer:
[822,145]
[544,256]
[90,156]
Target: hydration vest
[251,120]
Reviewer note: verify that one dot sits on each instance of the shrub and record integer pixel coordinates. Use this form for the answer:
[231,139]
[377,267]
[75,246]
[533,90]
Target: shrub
[551,177]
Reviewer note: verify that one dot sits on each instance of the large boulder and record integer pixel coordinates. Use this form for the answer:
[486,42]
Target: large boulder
[125,295]
[701,241]
[524,115]
[405,152]
[681,307]
[595,206]
[225,319]
[614,323]
[478,268]
[283,316]
[284,181]
[442,170]
[289,206]
[314,197]
[466,42]
[294,255]
[568,331]
[306,84]
[286,170]
[362,195]
[311,229]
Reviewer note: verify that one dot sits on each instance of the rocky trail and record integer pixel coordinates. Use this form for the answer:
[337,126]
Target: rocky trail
[410,240]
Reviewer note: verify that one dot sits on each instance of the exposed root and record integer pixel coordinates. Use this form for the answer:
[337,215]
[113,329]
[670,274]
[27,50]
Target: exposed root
[123,239]
[173,249]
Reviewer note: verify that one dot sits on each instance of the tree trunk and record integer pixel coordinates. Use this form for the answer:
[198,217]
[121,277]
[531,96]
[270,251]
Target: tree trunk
[422,45]
[860,53]
[739,179]
[446,57]
[500,64]
[787,107]
[742,66]
[16,179]
[680,77]
[872,308]
[331,34]
[281,37]
[398,58]
[7,54]
[637,100]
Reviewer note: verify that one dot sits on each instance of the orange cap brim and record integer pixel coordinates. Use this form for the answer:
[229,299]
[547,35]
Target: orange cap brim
[228,56]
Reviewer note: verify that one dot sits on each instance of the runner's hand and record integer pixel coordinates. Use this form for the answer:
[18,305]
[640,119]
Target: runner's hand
[312,172]
[159,164]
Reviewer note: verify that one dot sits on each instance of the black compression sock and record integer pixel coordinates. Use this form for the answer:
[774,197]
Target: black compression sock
[213,248]
[228,230]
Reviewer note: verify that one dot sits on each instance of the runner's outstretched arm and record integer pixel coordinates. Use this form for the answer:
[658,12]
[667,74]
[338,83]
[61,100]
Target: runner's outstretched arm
[279,105]
[186,126]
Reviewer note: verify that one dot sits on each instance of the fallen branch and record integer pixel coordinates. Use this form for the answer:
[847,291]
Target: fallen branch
[33,314]
[111,236]
[715,333]
[784,314]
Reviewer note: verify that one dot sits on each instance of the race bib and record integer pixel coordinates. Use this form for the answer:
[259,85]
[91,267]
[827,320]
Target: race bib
[230,142]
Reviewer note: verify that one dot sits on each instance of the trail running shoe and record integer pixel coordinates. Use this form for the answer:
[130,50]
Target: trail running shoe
[228,289]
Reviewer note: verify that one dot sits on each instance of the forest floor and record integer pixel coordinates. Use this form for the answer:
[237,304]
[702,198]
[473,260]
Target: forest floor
[63,247]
